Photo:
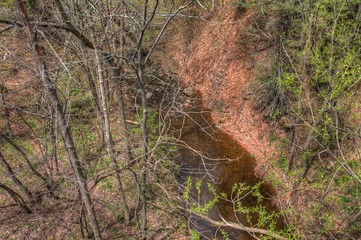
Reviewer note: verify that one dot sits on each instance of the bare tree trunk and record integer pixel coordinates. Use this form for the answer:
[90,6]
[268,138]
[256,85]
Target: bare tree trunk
[12,175]
[17,198]
[118,79]
[5,111]
[293,149]
[65,131]
[48,182]
[303,165]
[140,66]
[144,123]
[25,156]
[239,226]
[98,111]
[108,136]
[53,137]
[46,141]
[122,114]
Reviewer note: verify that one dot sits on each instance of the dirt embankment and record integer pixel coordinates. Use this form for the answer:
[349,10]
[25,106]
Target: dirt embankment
[220,58]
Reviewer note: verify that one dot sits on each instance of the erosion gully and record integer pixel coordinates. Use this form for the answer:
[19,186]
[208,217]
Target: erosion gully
[215,157]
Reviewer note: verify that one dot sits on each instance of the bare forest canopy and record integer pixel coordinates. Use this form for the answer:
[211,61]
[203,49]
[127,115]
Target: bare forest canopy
[91,97]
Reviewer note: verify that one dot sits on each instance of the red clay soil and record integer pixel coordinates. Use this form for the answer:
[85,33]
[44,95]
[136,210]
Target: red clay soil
[221,61]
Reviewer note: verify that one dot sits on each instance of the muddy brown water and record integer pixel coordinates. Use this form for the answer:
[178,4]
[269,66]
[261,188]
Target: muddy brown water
[215,157]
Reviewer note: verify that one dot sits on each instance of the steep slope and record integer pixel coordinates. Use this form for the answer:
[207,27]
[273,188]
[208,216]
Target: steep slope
[221,61]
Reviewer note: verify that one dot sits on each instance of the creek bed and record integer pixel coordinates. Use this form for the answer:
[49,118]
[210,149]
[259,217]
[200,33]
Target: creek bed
[215,157]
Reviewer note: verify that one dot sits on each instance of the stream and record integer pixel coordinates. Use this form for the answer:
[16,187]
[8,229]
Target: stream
[215,157]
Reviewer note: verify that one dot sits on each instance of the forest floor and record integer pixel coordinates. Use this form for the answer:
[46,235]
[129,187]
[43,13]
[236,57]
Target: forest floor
[215,56]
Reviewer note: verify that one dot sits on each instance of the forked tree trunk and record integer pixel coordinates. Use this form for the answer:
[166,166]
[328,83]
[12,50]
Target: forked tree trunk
[13,177]
[17,198]
[25,156]
[46,180]
[65,131]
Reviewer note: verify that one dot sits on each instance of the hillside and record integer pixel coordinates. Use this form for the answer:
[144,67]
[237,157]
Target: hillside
[180,120]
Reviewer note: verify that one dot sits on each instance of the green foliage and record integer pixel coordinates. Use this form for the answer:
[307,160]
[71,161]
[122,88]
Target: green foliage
[242,4]
[256,192]
[82,104]
[225,235]
[194,235]
[287,83]
[7,3]
[282,163]
[314,80]
[152,122]
[187,189]
[313,57]
[205,208]
[257,216]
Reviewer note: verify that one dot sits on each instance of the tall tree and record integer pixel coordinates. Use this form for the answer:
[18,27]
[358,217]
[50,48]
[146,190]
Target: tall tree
[65,131]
